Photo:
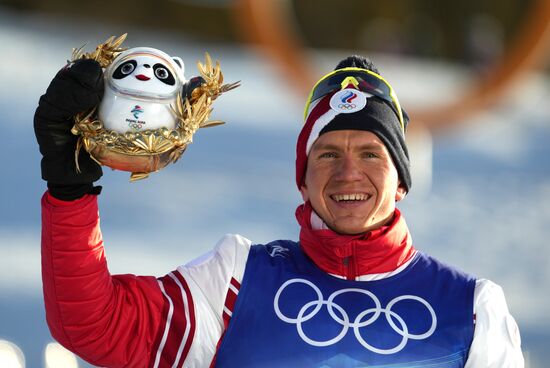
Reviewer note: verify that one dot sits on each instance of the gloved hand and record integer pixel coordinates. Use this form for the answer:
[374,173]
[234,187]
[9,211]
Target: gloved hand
[76,88]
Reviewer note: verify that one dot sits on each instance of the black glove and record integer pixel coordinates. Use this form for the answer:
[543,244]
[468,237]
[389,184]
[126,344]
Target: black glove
[76,88]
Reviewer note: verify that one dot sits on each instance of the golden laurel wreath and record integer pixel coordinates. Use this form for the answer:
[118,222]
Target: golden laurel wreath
[150,150]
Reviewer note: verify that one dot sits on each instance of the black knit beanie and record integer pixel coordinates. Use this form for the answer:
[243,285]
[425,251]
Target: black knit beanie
[377,116]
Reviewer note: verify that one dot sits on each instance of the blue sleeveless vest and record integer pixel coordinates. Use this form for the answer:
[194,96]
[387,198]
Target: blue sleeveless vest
[289,313]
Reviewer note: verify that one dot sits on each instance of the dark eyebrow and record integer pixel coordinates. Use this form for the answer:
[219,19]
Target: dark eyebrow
[325,147]
[333,147]
[371,146]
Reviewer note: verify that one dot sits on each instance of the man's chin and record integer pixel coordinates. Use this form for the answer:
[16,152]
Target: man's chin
[344,227]
[353,226]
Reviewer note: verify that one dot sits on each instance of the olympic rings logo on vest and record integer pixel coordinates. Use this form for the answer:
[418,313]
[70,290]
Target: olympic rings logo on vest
[310,310]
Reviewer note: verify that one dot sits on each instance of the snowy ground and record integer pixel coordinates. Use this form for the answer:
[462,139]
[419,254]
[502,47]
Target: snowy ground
[487,211]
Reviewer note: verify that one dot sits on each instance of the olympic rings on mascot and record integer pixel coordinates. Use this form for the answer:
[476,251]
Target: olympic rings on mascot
[136,126]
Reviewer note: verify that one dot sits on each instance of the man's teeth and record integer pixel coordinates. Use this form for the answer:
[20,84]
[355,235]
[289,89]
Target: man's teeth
[350,197]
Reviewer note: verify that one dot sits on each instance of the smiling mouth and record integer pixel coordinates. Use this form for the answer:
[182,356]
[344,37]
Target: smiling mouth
[354,197]
[142,77]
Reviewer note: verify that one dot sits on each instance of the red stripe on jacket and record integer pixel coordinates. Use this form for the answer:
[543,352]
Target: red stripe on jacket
[179,328]
[229,306]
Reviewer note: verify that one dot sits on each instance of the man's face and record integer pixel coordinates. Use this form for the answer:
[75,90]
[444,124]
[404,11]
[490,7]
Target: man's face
[351,181]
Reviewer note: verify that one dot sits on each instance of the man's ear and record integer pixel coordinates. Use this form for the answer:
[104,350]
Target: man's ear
[400,193]
[304,192]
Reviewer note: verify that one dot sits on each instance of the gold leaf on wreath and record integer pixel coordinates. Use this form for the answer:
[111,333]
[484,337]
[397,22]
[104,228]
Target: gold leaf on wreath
[104,53]
[156,148]
[212,123]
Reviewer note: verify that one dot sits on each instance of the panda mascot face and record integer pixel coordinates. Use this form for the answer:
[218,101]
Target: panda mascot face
[140,86]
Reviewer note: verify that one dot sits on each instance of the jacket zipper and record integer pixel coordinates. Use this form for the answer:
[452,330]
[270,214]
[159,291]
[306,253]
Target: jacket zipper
[349,267]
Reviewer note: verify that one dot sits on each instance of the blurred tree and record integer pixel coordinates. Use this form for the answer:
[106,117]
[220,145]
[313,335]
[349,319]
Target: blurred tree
[457,30]
[430,28]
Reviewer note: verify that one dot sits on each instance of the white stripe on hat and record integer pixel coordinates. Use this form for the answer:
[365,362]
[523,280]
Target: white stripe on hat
[323,120]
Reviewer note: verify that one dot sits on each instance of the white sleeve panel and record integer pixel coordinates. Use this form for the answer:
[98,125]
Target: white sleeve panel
[497,342]
[208,278]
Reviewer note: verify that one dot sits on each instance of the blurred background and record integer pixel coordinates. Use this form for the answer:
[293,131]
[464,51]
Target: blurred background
[473,76]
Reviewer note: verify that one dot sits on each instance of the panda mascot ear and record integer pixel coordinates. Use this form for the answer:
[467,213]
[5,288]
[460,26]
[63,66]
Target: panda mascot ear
[191,84]
[179,61]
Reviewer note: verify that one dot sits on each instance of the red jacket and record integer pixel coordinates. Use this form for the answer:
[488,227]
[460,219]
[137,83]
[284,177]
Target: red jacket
[141,321]
[89,311]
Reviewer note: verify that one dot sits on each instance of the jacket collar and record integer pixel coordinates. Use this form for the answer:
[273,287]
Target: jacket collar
[350,256]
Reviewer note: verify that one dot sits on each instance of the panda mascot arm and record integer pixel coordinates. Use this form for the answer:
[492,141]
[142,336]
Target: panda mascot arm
[190,86]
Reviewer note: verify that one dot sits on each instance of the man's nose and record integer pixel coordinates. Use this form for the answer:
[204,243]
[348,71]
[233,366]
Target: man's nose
[349,170]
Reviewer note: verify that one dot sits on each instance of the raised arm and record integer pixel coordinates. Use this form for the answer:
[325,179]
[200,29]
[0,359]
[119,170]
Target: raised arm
[118,320]
[108,320]
[127,320]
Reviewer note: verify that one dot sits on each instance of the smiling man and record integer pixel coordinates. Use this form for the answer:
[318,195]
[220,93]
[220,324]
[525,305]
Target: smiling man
[351,181]
[352,167]
[353,291]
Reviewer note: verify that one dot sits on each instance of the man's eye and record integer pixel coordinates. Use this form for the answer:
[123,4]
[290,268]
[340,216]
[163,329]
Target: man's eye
[370,155]
[327,155]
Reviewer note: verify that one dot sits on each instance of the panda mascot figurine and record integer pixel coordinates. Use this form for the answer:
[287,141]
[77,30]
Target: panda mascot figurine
[149,110]
[140,86]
